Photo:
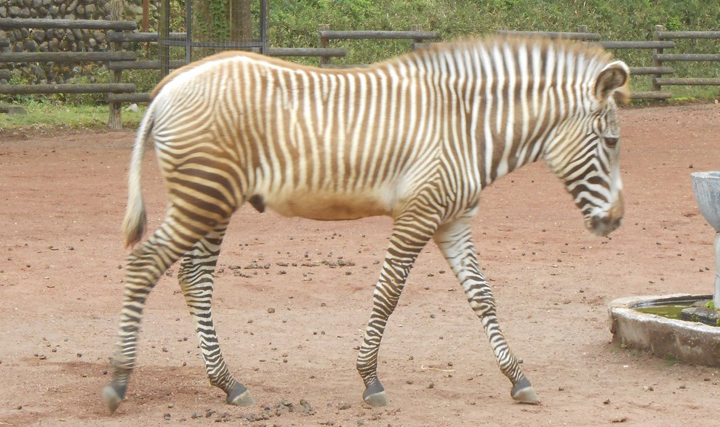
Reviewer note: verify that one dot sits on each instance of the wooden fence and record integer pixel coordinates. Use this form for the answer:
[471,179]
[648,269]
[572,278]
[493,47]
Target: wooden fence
[119,32]
[325,35]
[659,57]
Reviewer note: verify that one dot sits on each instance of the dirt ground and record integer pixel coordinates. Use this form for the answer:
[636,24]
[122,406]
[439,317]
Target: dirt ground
[61,271]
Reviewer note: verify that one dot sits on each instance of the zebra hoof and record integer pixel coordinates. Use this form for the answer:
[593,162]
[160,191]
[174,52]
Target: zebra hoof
[240,396]
[522,392]
[375,395]
[113,395]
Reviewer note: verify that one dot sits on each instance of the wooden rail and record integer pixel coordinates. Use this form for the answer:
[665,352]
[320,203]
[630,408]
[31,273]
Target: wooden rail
[687,57]
[650,70]
[689,81]
[651,95]
[367,35]
[65,57]
[66,88]
[653,44]
[67,24]
[665,35]
[128,97]
[553,34]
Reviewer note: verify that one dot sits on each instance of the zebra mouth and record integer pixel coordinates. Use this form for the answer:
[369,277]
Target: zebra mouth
[602,225]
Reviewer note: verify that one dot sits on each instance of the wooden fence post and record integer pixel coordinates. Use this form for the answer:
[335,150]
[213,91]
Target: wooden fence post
[657,62]
[115,119]
[324,43]
[416,28]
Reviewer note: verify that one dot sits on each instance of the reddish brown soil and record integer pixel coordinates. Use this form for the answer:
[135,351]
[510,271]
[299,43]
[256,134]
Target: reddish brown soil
[61,271]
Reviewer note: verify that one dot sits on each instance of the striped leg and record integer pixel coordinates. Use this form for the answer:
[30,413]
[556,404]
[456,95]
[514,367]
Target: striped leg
[455,242]
[196,277]
[145,266]
[409,237]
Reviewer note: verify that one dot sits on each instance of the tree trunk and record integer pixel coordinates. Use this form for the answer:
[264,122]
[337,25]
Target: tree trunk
[240,20]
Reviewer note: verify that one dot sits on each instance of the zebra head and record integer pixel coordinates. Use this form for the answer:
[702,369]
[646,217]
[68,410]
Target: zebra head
[586,153]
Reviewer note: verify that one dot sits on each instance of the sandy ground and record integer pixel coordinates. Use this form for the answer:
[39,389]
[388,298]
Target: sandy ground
[61,272]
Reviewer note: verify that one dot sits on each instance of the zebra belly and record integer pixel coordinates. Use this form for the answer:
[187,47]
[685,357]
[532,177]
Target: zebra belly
[327,206]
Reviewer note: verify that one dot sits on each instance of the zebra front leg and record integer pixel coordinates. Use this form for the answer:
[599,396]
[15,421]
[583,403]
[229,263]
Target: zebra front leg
[145,266]
[196,277]
[455,241]
[409,237]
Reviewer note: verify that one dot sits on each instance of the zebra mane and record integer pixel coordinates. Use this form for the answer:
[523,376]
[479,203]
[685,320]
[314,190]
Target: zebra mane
[465,45]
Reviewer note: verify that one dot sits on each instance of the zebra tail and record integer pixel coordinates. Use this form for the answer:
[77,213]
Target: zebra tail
[135,219]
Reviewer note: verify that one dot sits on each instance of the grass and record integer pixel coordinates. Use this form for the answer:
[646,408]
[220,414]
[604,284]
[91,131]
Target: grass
[55,115]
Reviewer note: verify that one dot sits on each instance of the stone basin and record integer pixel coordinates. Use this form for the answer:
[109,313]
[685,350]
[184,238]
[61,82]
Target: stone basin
[690,342]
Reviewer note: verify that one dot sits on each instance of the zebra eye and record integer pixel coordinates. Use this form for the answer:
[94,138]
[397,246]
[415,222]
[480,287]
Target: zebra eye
[611,141]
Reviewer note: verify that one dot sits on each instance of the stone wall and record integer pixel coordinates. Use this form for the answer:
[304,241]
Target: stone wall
[59,40]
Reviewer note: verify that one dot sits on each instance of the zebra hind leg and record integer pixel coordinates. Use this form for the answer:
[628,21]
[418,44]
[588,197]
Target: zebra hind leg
[196,277]
[408,239]
[175,237]
[455,242]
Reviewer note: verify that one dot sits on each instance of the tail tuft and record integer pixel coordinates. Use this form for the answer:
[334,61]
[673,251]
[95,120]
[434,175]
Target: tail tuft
[134,224]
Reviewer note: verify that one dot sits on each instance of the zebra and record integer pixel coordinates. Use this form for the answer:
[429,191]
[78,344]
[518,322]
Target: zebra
[415,138]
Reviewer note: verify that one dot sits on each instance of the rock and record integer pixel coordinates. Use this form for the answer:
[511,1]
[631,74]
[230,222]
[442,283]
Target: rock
[704,315]
[90,10]
[14,11]
[25,13]
[3,12]
[132,107]
[38,35]
[31,46]
[36,3]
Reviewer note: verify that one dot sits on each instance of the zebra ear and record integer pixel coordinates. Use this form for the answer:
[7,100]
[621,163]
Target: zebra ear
[614,76]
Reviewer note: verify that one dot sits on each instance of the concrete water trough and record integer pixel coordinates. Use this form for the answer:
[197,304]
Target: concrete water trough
[690,342]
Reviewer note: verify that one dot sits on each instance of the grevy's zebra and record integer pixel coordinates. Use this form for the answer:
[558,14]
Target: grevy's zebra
[416,138]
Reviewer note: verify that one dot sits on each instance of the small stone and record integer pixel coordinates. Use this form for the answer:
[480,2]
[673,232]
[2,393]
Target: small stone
[271,310]
[167,417]
[360,422]
[607,402]
[431,385]
[344,406]
[648,388]
[79,355]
